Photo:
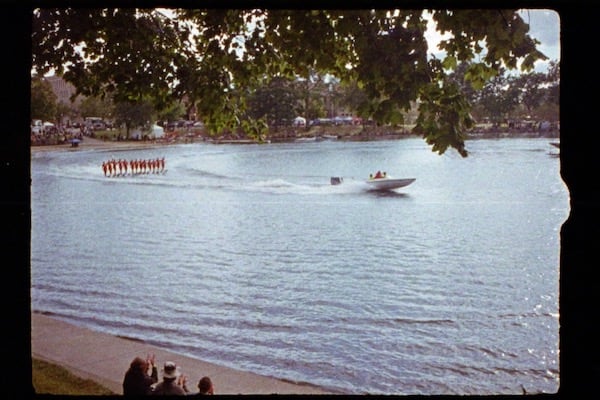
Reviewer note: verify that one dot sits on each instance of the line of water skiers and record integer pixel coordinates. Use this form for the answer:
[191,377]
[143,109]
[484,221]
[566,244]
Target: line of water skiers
[122,167]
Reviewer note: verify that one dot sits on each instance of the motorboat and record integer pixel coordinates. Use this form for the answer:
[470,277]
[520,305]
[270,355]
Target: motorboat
[383,182]
[388,183]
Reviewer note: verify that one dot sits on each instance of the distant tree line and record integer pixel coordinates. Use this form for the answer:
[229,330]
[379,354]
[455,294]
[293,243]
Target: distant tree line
[530,96]
[277,101]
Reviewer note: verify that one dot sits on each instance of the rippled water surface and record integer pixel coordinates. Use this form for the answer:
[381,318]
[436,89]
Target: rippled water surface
[246,256]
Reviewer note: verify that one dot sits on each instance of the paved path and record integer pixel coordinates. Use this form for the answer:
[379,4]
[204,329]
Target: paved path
[104,358]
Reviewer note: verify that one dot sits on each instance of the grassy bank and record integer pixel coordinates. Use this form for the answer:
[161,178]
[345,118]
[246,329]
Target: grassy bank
[49,378]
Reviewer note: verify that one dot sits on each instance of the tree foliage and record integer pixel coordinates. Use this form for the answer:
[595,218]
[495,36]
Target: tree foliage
[498,97]
[43,100]
[133,115]
[310,89]
[172,112]
[274,102]
[212,56]
[529,89]
[96,107]
[553,81]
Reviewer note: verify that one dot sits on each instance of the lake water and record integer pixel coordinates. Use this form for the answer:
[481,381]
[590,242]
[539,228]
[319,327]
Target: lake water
[246,256]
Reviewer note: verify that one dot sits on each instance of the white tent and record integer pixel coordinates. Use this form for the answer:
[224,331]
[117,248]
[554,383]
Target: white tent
[299,121]
[154,132]
[157,131]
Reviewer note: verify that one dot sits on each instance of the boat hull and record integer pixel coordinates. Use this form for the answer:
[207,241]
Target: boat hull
[388,183]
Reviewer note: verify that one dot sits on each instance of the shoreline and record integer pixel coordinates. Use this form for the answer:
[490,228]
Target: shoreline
[104,358]
[95,144]
[89,143]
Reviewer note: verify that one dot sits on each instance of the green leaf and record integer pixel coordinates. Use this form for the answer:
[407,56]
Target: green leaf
[449,62]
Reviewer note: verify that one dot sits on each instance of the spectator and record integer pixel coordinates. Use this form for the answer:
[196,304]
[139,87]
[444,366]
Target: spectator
[137,381]
[173,382]
[206,386]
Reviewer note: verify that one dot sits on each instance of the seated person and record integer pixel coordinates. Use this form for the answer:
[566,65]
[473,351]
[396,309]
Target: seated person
[173,382]
[205,386]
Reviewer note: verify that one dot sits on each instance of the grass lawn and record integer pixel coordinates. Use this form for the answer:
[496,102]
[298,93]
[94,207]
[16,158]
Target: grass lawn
[49,378]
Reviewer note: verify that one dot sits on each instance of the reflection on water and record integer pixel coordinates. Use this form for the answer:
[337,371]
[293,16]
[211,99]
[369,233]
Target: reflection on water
[387,193]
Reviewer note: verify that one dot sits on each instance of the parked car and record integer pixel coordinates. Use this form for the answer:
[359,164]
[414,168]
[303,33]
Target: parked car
[99,125]
[171,125]
[342,120]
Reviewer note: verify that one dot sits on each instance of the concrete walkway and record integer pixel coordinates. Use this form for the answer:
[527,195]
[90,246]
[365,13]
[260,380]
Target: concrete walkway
[104,358]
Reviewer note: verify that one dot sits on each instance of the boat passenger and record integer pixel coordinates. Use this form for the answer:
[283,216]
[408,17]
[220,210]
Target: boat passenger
[378,175]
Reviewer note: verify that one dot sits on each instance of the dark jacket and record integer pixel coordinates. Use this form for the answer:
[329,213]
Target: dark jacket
[168,387]
[137,382]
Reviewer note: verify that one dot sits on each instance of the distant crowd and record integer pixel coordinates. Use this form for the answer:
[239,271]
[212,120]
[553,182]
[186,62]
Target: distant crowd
[142,379]
[122,167]
[57,134]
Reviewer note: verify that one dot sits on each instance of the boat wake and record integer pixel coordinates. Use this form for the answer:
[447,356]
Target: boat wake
[192,177]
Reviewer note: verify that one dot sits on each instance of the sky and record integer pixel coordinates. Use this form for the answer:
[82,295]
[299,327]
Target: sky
[544,25]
